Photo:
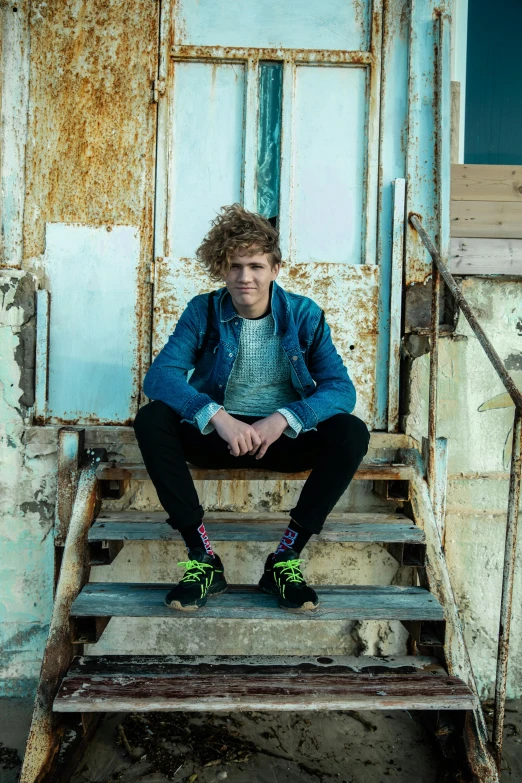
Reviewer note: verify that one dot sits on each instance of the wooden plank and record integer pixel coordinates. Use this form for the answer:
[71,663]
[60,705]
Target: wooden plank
[164,665]
[137,470]
[270,685]
[495,219]
[353,602]
[479,182]
[138,526]
[107,435]
[474,256]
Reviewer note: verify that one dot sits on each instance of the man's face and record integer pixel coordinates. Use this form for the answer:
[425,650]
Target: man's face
[249,277]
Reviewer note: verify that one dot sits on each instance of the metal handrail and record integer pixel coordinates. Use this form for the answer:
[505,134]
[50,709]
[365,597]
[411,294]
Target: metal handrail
[440,269]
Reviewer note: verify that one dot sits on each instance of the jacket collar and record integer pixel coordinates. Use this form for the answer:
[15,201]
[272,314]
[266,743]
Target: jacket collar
[278,302]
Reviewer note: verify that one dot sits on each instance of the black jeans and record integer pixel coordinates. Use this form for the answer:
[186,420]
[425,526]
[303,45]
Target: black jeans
[333,452]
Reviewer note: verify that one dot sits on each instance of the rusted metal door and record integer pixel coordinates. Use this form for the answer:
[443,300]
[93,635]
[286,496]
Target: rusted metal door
[276,105]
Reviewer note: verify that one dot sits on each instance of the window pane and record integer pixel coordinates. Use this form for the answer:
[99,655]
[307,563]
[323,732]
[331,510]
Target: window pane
[268,173]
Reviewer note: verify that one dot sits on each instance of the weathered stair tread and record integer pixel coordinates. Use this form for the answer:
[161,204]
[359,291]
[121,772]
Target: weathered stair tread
[136,470]
[352,602]
[223,526]
[147,683]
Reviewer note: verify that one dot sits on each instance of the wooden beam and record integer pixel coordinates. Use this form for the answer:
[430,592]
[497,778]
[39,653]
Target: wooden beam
[137,470]
[472,256]
[480,182]
[259,685]
[245,602]
[493,219]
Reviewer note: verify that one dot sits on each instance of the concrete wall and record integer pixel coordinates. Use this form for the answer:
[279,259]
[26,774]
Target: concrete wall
[479,453]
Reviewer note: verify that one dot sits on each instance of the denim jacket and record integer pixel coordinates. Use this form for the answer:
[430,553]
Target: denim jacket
[318,372]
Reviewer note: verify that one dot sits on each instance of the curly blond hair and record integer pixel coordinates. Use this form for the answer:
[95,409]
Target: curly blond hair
[236,228]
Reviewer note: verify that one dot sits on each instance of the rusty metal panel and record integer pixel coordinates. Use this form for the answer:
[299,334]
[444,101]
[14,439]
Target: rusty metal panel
[92,126]
[323,24]
[348,293]
[392,166]
[428,154]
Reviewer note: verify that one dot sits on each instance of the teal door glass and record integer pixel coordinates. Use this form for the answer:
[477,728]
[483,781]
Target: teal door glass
[268,173]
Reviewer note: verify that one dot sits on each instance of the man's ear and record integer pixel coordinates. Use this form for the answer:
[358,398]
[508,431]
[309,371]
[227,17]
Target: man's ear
[276,268]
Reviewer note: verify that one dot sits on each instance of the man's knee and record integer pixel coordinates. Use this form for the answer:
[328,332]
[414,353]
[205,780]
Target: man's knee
[151,414]
[348,431]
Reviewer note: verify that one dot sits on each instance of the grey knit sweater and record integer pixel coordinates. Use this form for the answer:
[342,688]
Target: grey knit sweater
[260,382]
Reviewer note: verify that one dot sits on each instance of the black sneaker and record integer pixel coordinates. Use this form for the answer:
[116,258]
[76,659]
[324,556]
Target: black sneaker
[283,577]
[204,576]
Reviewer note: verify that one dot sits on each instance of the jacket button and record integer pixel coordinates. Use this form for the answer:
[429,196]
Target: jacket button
[294,358]
[230,354]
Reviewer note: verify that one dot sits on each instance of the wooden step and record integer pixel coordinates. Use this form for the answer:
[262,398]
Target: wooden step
[192,683]
[118,471]
[415,607]
[403,539]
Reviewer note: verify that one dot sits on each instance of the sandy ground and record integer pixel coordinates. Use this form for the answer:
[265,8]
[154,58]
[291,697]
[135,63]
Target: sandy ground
[370,747]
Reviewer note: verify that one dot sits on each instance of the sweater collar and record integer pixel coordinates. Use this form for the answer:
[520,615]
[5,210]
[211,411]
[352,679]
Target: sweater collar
[278,302]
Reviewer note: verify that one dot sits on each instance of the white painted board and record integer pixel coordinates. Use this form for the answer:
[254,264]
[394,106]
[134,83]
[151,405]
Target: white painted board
[92,274]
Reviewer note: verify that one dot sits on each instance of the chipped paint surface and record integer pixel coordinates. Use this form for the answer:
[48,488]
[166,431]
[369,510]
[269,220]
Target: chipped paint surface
[478,433]
[26,503]
[90,159]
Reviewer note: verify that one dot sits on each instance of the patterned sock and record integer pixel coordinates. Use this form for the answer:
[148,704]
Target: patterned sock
[196,538]
[295,537]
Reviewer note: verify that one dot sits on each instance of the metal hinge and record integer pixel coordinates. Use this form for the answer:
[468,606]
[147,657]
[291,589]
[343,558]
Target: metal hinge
[158,88]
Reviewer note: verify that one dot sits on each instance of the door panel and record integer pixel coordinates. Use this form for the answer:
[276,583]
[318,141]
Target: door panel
[329,164]
[292,24]
[292,131]
[207,148]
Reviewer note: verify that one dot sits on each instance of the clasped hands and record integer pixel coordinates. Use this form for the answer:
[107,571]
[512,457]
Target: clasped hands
[245,438]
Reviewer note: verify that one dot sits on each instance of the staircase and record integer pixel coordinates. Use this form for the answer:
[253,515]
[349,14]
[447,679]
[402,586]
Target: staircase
[268,659]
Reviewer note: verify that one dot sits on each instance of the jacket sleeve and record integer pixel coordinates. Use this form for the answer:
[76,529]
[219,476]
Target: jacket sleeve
[334,392]
[166,378]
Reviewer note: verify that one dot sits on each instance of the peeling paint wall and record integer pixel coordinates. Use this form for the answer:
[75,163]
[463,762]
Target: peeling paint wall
[77,146]
[27,487]
[477,418]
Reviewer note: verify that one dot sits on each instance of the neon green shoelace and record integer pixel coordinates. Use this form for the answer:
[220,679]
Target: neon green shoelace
[194,570]
[290,570]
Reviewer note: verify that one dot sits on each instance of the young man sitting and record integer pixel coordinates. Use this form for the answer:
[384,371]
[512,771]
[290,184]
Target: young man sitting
[268,390]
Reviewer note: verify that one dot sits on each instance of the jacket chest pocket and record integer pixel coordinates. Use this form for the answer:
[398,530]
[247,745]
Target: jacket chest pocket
[206,361]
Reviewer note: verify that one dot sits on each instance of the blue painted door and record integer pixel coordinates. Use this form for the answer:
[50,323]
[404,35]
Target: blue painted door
[276,104]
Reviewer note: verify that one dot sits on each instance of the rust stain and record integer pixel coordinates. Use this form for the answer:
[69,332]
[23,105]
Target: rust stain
[92,126]
[186,51]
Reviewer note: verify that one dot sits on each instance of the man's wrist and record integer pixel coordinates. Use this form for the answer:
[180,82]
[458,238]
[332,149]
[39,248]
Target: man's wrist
[220,414]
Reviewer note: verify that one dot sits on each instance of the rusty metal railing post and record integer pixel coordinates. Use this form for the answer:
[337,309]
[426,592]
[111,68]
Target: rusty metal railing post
[507,588]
